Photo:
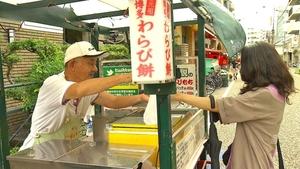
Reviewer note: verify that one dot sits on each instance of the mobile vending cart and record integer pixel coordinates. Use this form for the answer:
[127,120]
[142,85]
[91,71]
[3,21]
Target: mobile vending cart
[180,135]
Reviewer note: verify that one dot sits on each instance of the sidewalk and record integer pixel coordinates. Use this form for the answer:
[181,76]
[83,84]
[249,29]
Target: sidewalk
[289,134]
[293,70]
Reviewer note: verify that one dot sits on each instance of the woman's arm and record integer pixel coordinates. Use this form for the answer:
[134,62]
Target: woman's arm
[200,102]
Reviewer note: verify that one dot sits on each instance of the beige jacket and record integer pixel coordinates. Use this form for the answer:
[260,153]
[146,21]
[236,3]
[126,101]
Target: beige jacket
[258,115]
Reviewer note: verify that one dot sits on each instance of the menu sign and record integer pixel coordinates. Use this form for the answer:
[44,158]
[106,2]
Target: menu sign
[151,41]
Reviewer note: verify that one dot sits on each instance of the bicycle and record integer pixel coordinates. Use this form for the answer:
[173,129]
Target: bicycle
[210,85]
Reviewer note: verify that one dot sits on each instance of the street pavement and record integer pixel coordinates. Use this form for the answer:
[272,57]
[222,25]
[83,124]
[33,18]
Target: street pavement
[289,134]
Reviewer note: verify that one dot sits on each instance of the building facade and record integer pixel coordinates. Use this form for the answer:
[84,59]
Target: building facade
[290,45]
[186,36]
[256,35]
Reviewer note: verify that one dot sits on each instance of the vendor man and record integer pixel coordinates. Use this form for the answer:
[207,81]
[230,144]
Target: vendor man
[65,98]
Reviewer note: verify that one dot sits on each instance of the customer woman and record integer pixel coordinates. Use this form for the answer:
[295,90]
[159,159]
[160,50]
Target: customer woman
[257,110]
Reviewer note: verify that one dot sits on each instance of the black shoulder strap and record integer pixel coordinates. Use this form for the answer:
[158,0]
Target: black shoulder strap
[280,159]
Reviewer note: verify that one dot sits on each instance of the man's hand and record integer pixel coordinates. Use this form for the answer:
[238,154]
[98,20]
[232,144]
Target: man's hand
[127,77]
[144,98]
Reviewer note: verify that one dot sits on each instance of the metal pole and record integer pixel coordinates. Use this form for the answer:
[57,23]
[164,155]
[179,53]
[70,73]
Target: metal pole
[201,70]
[95,43]
[201,55]
[273,27]
[4,144]
[167,152]
[167,147]
[283,47]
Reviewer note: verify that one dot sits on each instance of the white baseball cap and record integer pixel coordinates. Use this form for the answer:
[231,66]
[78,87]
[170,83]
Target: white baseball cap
[81,49]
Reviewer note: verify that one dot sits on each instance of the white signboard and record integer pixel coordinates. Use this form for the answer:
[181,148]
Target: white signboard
[187,83]
[151,41]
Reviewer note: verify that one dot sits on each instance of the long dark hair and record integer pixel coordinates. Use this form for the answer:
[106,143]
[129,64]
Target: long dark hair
[261,66]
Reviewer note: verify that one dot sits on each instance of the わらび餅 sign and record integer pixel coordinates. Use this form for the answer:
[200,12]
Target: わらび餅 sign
[151,41]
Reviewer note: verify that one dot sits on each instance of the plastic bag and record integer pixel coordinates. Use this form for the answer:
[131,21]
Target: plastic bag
[150,114]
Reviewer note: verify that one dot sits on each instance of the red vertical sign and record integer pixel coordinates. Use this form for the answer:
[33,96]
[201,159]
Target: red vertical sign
[150,7]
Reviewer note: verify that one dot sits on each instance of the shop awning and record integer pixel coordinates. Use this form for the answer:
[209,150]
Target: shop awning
[228,30]
[83,14]
[50,15]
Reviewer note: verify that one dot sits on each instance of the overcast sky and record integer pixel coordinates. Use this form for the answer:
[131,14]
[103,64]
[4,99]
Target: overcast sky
[257,13]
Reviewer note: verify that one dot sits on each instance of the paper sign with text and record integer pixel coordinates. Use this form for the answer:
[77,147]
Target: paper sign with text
[151,41]
[187,83]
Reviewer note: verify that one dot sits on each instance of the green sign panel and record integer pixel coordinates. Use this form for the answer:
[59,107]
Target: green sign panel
[114,70]
[123,89]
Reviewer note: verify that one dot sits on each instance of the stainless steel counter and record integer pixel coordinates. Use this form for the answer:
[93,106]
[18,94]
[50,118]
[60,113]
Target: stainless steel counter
[63,154]
[188,133]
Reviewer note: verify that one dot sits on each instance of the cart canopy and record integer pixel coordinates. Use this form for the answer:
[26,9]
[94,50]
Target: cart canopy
[111,14]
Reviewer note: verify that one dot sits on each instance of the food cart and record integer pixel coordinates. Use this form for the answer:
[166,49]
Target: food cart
[177,139]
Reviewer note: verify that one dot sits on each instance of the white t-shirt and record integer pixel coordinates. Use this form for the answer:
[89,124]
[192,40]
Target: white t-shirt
[50,113]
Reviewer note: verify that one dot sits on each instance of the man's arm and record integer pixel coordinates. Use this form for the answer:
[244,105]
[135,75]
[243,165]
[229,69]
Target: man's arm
[116,102]
[95,85]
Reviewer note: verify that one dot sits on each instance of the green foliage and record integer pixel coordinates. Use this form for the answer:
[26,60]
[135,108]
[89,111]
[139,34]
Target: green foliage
[46,67]
[116,51]
[11,59]
[14,150]
[43,48]
[26,94]
[50,62]
[15,93]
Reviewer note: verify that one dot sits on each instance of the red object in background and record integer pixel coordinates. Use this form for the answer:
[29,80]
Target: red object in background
[223,59]
[217,54]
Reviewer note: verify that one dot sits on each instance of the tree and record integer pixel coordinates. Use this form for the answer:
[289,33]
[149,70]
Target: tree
[50,62]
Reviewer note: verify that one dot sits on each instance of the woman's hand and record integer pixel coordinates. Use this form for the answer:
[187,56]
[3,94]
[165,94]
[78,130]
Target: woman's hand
[176,97]
[200,102]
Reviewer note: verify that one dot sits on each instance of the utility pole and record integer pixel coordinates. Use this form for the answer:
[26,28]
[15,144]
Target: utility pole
[281,20]
[283,46]
[273,28]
